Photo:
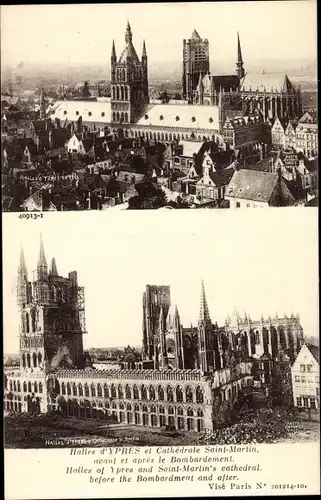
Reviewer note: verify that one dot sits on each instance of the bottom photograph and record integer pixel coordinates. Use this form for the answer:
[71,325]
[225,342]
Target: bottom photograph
[153,340]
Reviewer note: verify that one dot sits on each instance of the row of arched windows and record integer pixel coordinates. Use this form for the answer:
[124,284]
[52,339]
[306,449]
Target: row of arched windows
[15,386]
[29,361]
[142,392]
[120,93]
[168,136]
[120,117]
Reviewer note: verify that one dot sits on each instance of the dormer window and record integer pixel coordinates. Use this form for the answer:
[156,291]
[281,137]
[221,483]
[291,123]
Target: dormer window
[177,118]
[146,117]
[77,113]
[90,113]
[211,120]
[102,114]
[65,112]
[161,117]
[193,119]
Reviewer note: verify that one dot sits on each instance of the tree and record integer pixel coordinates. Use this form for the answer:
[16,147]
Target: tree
[85,91]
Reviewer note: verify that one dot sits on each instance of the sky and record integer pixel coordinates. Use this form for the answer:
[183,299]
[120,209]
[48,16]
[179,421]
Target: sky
[258,261]
[83,34]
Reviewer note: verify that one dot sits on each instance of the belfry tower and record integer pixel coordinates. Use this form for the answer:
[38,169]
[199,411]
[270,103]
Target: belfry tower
[239,61]
[205,335]
[129,82]
[195,61]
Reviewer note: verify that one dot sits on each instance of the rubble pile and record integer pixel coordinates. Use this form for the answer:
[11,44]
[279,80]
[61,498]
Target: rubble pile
[256,426]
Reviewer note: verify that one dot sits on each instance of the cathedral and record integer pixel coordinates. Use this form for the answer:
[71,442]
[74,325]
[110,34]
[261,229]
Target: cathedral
[185,375]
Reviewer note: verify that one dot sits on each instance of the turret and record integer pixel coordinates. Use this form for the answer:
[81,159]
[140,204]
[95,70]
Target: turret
[42,268]
[113,54]
[144,53]
[53,268]
[239,61]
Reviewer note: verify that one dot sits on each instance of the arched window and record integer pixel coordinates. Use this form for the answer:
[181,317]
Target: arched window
[121,406]
[114,116]
[35,386]
[179,394]
[113,405]
[68,389]
[122,93]
[170,393]
[145,409]
[117,93]
[18,386]
[193,119]
[93,390]
[189,394]
[129,407]
[161,409]
[74,389]
[136,407]
[29,386]
[180,411]
[122,117]
[117,117]
[199,395]
[86,390]
[170,410]
[177,118]
[40,387]
[152,393]
[14,386]
[28,360]
[113,391]
[135,392]
[24,361]
[39,358]
[106,391]
[128,392]
[63,388]
[144,392]
[200,412]
[190,412]
[25,387]
[99,391]
[120,392]
[80,390]
[126,117]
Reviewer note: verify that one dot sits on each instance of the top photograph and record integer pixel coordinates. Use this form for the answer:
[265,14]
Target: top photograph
[159,106]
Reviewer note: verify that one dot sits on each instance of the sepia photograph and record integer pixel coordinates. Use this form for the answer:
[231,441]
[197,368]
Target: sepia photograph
[177,105]
[185,339]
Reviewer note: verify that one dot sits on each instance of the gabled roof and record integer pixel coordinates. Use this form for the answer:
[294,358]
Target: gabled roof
[222,177]
[191,147]
[315,351]
[268,81]
[181,116]
[252,185]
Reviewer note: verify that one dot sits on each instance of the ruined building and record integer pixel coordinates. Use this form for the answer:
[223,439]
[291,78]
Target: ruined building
[186,374]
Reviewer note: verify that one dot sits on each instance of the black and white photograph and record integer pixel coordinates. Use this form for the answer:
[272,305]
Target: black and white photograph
[149,106]
[193,342]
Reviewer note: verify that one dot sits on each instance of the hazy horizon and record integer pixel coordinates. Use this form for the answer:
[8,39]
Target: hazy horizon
[83,34]
[116,255]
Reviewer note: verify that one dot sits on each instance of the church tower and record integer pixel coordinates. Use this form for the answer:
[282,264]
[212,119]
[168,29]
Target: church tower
[129,82]
[195,61]
[205,335]
[239,61]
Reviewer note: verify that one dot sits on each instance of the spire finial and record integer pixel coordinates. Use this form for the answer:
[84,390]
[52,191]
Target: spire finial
[144,53]
[22,259]
[128,34]
[113,51]
[204,312]
[42,258]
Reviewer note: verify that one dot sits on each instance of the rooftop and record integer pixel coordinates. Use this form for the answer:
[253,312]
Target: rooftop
[252,185]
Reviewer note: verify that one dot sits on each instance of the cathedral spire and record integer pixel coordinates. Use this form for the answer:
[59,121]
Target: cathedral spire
[128,34]
[42,258]
[239,61]
[113,52]
[22,264]
[204,312]
[144,53]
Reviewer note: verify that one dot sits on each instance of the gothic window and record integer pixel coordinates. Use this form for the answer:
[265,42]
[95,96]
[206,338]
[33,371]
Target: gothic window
[179,394]
[33,320]
[257,337]
[129,407]
[63,388]
[86,390]
[114,117]
[35,387]
[113,391]
[166,137]
[23,361]
[144,392]
[29,386]
[27,323]
[199,395]
[117,117]
[80,390]
[120,392]
[74,389]
[135,392]
[19,387]
[34,359]
[162,137]
[190,412]
[14,386]
[153,409]
[170,410]
[189,394]
[99,391]
[68,389]
[117,93]
[170,394]
[152,393]
[39,358]
[161,409]
[180,411]
[93,391]
[25,387]
[122,93]
[128,392]
[28,360]
[113,405]
[160,393]
[126,117]
[121,117]
[200,412]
